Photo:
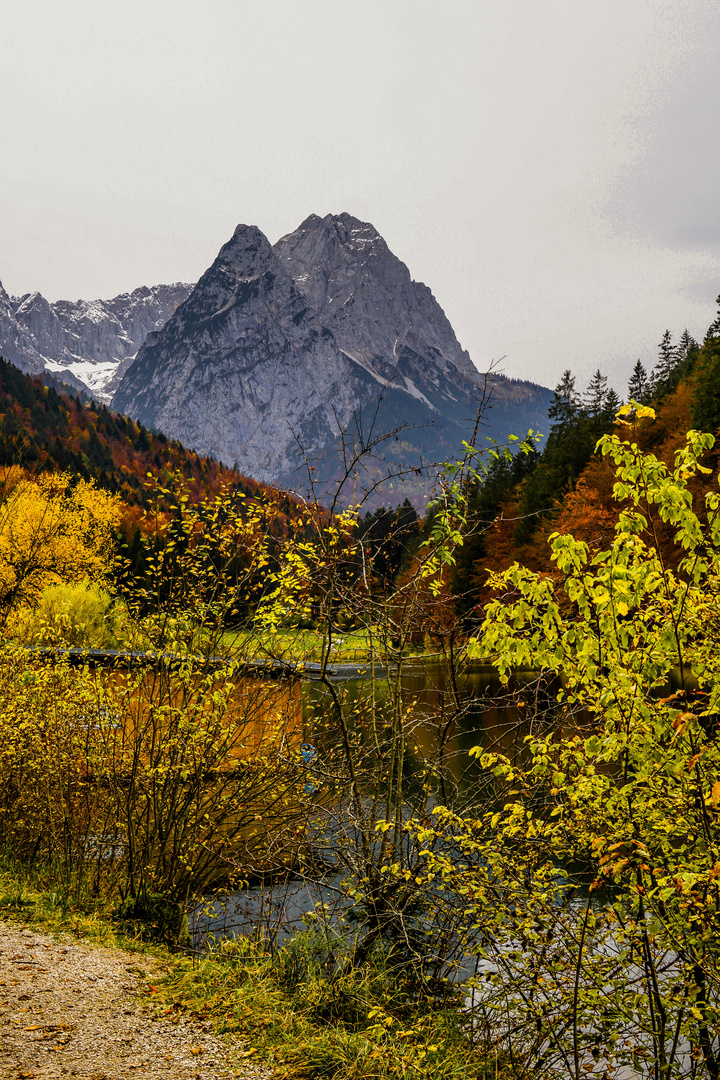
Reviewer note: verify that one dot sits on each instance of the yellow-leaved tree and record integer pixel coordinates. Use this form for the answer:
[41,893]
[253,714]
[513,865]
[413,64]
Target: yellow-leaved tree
[53,529]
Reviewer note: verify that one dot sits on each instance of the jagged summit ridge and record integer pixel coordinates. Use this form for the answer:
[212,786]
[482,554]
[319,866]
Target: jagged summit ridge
[367,296]
[244,367]
[88,343]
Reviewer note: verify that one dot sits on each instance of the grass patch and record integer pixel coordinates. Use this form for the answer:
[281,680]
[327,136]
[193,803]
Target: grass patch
[311,1023]
[294,645]
[24,898]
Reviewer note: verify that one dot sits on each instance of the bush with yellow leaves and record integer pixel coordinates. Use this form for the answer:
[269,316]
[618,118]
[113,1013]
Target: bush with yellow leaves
[53,529]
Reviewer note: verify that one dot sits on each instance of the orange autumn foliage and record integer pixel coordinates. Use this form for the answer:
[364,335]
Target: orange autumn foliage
[589,512]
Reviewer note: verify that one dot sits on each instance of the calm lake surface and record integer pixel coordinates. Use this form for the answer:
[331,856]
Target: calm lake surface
[463,711]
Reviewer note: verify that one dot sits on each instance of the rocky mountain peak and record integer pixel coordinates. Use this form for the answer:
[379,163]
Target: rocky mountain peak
[278,350]
[245,267]
[33,301]
[366,295]
[327,257]
[247,250]
[341,231]
[275,353]
[244,366]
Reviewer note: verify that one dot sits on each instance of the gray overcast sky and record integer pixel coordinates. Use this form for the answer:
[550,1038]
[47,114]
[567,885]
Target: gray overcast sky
[549,169]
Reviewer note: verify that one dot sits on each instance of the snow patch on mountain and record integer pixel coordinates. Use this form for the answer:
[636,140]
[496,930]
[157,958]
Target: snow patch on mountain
[95,376]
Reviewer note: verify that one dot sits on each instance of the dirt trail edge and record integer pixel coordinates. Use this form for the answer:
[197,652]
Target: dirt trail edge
[68,1008]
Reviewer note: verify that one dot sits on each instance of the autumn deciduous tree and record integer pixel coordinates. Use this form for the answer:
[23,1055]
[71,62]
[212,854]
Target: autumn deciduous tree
[593,883]
[53,529]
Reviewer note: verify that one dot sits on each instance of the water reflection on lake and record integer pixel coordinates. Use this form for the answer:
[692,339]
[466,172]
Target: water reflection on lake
[446,715]
[476,709]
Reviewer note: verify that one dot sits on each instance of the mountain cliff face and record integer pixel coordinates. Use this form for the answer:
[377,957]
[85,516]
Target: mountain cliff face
[278,351]
[244,368]
[380,317]
[86,343]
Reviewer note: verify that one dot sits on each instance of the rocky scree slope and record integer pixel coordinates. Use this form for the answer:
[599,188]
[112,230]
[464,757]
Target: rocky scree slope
[85,343]
[278,351]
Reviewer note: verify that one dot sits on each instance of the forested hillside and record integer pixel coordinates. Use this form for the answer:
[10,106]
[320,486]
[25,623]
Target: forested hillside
[565,486]
[43,430]
[46,432]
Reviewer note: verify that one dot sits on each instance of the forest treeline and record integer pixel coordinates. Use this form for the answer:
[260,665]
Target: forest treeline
[560,484]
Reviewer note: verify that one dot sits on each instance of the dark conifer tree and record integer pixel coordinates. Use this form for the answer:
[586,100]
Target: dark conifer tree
[685,345]
[639,384]
[612,403]
[713,329]
[596,393]
[565,405]
[667,359]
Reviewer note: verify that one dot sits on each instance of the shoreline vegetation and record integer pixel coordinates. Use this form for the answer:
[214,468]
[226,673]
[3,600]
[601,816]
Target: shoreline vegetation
[544,904]
[275,1006]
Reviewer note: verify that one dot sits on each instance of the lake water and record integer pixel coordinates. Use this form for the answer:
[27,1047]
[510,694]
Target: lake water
[468,711]
[445,716]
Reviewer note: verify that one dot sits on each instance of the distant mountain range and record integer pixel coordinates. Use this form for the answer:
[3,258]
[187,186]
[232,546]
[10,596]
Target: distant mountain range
[282,359]
[87,343]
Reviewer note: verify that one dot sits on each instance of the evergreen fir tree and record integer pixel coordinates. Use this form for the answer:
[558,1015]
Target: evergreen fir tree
[596,394]
[667,359]
[613,402]
[565,404]
[713,329]
[684,345]
[639,384]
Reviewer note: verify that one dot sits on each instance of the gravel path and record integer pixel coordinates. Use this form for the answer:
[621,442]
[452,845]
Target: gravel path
[70,1009]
